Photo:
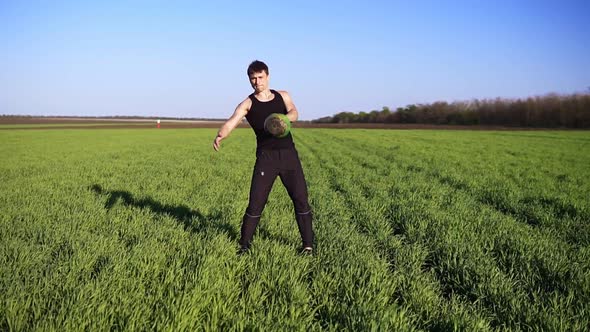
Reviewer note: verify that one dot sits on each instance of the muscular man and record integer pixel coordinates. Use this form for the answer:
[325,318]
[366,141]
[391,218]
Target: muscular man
[274,156]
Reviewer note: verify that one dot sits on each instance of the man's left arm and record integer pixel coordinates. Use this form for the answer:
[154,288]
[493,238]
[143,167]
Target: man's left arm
[292,113]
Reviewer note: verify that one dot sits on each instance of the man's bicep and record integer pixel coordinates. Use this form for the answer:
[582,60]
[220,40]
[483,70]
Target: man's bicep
[240,112]
[243,108]
[288,101]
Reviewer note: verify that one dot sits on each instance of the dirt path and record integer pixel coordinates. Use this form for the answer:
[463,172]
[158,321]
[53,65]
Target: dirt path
[112,123]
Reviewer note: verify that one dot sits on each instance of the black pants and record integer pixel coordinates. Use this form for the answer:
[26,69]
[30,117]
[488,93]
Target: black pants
[270,164]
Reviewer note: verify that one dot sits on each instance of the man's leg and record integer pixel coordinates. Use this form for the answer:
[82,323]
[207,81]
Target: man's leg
[263,178]
[294,182]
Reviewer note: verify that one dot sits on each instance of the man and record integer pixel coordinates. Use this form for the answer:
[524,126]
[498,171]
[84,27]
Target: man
[274,156]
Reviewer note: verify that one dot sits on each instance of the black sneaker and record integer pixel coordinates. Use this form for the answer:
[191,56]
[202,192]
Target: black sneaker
[307,251]
[243,250]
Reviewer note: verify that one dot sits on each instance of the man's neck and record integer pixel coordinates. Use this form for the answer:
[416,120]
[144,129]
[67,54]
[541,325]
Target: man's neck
[264,94]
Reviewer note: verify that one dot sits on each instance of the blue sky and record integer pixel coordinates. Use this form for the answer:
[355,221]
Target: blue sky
[189,58]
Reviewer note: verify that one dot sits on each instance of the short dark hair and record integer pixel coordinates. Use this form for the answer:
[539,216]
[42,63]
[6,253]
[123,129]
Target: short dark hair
[256,67]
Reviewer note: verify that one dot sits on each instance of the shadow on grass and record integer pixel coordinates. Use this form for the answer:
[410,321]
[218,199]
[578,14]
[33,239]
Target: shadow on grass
[192,220]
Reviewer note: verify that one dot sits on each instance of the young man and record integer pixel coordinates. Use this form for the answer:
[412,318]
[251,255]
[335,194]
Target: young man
[274,156]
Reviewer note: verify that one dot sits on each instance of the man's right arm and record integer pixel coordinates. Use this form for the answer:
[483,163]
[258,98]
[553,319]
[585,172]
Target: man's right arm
[240,112]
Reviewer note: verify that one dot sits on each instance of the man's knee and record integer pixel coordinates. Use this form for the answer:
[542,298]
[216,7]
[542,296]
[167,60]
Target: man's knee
[255,208]
[254,212]
[302,207]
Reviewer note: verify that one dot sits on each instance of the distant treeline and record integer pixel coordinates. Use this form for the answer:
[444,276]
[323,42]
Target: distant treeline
[552,110]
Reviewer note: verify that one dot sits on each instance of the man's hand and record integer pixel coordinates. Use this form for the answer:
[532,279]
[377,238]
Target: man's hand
[217,142]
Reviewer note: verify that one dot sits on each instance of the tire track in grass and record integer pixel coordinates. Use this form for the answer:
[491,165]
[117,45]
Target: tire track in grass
[539,233]
[492,280]
[543,212]
[419,290]
[512,196]
[523,317]
[354,281]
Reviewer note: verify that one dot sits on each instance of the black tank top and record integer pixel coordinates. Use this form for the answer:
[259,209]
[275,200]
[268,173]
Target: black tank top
[256,116]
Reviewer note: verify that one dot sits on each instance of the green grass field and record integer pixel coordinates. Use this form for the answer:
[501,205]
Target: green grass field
[137,229]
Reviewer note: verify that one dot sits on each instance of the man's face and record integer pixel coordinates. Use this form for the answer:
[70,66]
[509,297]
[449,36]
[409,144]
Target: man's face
[259,81]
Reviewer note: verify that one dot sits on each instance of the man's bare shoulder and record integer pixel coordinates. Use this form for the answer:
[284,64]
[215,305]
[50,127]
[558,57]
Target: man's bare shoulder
[246,104]
[284,94]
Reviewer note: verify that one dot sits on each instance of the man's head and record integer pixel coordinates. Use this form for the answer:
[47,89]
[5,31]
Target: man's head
[258,75]
[257,67]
